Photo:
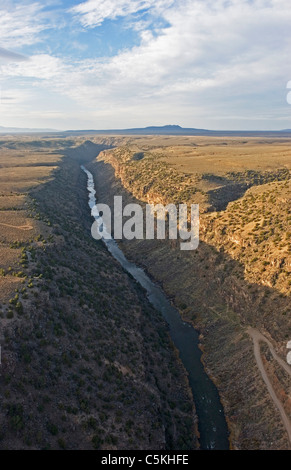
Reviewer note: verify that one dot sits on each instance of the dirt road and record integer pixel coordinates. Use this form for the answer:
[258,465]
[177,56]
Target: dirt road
[257,337]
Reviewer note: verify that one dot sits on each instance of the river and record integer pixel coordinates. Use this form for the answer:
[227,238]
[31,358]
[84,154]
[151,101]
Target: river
[211,419]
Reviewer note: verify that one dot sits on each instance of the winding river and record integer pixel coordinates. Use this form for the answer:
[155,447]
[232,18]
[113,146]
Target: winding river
[211,420]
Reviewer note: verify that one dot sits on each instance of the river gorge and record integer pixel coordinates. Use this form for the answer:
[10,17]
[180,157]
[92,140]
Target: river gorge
[211,420]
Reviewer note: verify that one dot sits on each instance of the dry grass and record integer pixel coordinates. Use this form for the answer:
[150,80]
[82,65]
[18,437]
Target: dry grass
[14,226]
[25,163]
[218,155]
[23,173]
[16,201]
[8,286]
[208,171]
[9,258]
[224,156]
[14,158]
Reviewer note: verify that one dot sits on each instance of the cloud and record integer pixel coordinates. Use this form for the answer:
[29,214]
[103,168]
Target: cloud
[92,13]
[11,56]
[40,66]
[21,23]
[204,47]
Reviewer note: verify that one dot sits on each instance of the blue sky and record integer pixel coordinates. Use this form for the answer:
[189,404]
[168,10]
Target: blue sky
[107,64]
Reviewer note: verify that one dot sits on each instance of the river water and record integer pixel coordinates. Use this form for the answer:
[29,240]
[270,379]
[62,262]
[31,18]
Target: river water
[211,420]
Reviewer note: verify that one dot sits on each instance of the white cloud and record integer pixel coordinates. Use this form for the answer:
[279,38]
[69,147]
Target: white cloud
[204,48]
[21,23]
[40,66]
[93,12]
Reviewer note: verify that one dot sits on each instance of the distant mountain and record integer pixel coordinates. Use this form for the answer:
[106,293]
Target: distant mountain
[178,130]
[169,129]
[150,130]
[20,130]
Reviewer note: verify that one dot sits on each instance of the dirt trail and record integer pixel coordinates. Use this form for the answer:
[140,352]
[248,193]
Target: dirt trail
[19,227]
[257,337]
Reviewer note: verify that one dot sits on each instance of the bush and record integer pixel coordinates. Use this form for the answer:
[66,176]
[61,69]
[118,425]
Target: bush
[97,441]
[62,443]
[52,428]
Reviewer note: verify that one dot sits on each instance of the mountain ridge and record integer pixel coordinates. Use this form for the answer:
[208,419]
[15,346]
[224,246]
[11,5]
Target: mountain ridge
[168,129]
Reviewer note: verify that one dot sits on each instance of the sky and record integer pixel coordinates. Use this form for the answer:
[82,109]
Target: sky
[115,64]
